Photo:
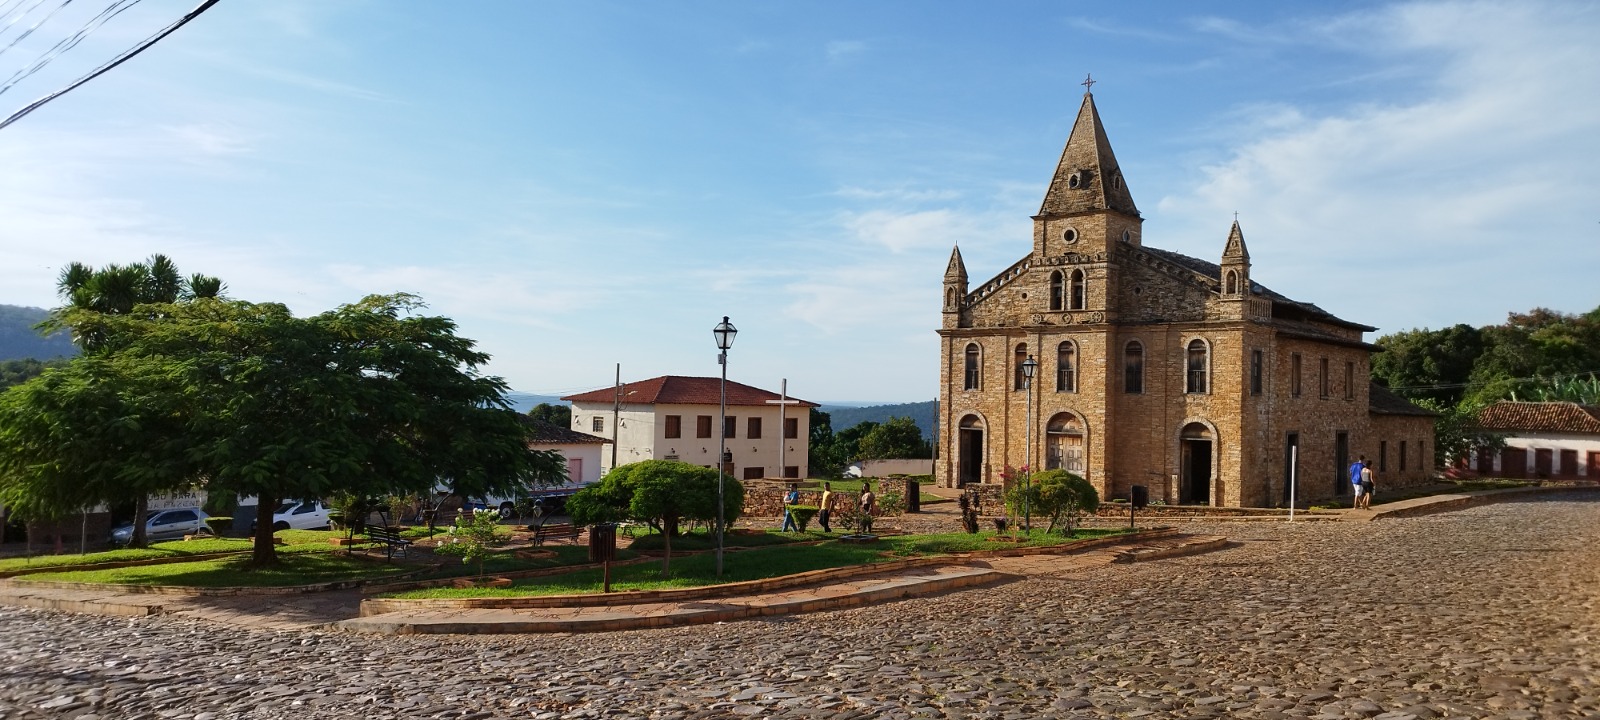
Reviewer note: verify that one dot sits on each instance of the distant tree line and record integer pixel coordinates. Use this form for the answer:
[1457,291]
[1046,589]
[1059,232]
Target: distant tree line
[1541,355]
[831,453]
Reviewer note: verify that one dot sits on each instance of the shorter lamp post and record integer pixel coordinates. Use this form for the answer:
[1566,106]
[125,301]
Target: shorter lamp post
[724,332]
[1029,366]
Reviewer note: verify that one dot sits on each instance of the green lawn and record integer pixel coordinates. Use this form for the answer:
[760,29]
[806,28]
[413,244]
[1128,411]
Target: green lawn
[298,541]
[295,568]
[753,564]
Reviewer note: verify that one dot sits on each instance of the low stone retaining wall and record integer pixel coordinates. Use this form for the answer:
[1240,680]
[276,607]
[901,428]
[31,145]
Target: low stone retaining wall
[764,498]
[1461,501]
[379,606]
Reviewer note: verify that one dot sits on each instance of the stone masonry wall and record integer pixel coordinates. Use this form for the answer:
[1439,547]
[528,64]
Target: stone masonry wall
[764,498]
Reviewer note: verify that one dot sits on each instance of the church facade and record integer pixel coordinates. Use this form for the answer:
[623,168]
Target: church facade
[1154,368]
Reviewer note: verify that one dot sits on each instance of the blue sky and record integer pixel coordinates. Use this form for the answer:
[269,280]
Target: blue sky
[582,184]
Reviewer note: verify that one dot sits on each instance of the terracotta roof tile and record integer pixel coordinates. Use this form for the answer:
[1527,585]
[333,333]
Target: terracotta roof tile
[1561,417]
[546,434]
[680,390]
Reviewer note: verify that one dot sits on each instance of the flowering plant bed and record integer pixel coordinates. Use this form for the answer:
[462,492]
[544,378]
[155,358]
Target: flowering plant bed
[858,538]
[533,553]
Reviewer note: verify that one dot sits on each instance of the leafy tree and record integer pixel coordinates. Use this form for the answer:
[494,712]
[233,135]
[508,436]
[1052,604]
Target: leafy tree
[1456,434]
[246,398]
[824,458]
[557,415]
[1434,364]
[1538,344]
[120,290]
[15,372]
[662,493]
[898,438]
[1057,494]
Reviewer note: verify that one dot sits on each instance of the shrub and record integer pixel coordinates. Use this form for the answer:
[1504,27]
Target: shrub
[802,514]
[892,503]
[473,538]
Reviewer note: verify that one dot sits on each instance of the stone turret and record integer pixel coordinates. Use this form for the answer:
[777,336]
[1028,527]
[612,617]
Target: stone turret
[1088,206]
[1235,265]
[955,288]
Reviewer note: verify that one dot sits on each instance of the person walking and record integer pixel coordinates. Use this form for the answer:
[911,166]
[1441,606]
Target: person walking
[869,506]
[790,499]
[825,508]
[1355,479]
[1367,485]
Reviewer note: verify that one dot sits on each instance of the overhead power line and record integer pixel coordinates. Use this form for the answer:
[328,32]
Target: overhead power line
[71,41]
[118,60]
[1535,378]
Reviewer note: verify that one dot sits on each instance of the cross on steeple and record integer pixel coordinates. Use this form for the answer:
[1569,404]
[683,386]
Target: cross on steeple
[1088,83]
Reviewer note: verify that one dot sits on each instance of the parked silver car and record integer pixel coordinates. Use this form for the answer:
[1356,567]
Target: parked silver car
[164,525]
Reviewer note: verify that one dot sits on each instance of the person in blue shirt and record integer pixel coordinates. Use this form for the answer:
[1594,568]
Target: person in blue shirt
[1355,480]
[790,499]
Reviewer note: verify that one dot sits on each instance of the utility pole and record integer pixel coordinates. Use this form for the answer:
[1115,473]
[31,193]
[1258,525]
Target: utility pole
[783,402]
[616,413]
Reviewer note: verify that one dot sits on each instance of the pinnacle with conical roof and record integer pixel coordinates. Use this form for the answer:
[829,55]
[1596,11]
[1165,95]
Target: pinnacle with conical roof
[1087,177]
[1235,249]
[956,271]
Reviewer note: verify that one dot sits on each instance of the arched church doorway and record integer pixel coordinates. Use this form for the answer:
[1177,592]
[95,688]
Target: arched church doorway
[1194,484]
[969,447]
[1064,444]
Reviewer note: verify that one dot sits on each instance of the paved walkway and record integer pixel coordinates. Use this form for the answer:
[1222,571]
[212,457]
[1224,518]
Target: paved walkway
[429,617]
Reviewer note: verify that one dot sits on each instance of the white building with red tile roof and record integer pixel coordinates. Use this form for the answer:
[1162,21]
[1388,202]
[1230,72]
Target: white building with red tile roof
[674,417]
[1543,440]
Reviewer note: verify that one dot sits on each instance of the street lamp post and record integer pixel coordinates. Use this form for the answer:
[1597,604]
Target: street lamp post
[1029,366]
[724,332]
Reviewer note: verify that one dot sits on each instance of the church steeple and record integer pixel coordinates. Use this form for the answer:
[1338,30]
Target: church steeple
[1087,177]
[955,286]
[1235,264]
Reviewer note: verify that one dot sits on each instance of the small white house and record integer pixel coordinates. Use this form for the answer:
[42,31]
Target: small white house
[673,417]
[582,450]
[1544,440]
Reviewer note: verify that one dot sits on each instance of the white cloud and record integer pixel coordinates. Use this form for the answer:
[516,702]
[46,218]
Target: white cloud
[1396,213]
[841,50]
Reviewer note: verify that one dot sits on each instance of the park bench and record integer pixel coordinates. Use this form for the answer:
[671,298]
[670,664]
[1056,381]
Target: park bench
[389,538]
[567,531]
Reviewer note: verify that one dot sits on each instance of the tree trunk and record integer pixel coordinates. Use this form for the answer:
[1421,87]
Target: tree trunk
[141,508]
[666,559]
[264,554]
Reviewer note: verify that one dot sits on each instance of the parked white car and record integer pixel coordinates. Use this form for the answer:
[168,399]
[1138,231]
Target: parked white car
[299,515]
[164,525]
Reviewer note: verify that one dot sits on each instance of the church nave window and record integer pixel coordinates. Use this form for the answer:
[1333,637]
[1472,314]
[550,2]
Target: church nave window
[1133,368]
[1022,357]
[1198,366]
[973,366]
[1067,367]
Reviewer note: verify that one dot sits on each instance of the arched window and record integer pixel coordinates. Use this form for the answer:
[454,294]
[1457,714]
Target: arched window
[1231,286]
[1016,366]
[1057,290]
[1066,367]
[1133,368]
[1078,291]
[950,298]
[1199,366]
[973,366]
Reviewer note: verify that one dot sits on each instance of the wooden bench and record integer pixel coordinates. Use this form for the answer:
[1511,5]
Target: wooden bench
[390,540]
[556,530]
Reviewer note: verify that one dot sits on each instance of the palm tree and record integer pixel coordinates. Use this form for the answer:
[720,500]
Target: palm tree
[117,290]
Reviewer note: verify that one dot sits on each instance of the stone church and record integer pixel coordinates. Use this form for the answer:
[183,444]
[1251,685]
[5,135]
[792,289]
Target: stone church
[1154,368]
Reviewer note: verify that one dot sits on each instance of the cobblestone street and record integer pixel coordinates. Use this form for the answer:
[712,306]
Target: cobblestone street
[1487,612]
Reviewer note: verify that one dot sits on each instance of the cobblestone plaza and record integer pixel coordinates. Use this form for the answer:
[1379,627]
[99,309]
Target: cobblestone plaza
[1492,612]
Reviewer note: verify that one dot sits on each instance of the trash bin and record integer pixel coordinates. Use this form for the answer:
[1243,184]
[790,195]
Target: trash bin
[603,543]
[913,497]
[1139,496]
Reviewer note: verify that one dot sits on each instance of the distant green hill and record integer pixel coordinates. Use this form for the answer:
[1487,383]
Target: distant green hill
[19,341]
[924,414]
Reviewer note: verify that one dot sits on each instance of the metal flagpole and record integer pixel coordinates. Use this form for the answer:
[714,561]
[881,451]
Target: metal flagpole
[1293,464]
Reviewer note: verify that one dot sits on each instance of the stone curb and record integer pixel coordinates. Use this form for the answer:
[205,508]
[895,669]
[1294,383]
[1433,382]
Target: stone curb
[380,606]
[1459,501]
[1194,547]
[724,613]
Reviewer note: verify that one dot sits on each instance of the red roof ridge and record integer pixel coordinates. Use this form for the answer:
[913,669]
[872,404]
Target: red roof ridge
[683,390]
